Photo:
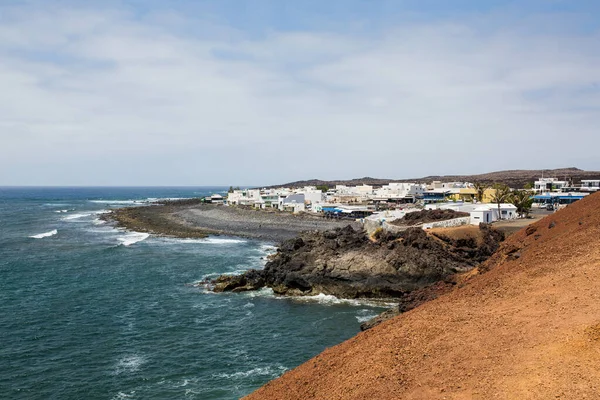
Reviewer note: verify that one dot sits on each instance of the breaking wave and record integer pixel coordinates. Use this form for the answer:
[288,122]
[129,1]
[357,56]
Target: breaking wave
[262,371]
[45,234]
[210,240]
[132,238]
[75,216]
[128,364]
[119,201]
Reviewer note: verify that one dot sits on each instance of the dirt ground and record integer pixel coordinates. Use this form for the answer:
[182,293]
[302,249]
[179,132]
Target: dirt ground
[511,226]
[529,328]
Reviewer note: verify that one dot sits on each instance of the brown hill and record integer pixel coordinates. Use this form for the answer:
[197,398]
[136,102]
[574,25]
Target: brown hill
[529,328]
[514,178]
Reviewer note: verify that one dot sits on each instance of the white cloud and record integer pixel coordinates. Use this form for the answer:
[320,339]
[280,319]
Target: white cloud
[106,97]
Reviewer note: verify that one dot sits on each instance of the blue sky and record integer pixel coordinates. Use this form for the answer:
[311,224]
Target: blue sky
[263,92]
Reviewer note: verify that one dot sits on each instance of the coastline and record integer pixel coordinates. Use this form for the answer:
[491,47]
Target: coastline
[185,219]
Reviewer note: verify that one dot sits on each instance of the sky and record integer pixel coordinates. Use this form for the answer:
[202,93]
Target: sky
[261,92]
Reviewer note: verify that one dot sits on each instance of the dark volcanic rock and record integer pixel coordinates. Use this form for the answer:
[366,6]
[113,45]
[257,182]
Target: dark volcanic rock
[250,280]
[346,263]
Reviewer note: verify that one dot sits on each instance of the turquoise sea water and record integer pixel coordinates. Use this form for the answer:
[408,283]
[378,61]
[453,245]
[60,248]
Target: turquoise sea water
[91,312]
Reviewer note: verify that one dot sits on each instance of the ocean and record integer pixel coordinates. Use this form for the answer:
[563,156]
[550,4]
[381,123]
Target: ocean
[88,311]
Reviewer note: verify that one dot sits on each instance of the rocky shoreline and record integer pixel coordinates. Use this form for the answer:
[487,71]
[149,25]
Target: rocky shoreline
[412,267]
[192,219]
[322,256]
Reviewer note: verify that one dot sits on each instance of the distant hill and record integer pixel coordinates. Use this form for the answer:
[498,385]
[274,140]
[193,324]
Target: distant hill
[514,178]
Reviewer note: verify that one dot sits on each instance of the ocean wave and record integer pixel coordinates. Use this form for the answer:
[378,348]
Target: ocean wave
[209,240]
[268,248]
[328,299]
[260,371]
[133,237]
[119,201]
[101,212]
[128,364]
[155,199]
[61,211]
[121,395]
[263,292]
[45,234]
[75,216]
[366,316]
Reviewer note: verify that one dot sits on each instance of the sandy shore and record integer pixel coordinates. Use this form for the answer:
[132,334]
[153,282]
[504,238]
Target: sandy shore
[200,220]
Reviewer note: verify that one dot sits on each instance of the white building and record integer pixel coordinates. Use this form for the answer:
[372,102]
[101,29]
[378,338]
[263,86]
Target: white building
[312,195]
[590,185]
[361,191]
[488,213]
[544,185]
[294,203]
[399,191]
[244,197]
[481,214]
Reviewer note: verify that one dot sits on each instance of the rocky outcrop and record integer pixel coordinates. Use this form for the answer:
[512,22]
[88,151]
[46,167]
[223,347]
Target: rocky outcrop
[346,263]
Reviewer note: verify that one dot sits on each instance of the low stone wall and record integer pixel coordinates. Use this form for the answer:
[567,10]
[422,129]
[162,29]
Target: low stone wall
[448,223]
[371,226]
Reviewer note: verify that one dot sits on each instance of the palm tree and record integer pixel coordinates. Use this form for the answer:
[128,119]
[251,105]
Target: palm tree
[480,188]
[501,195]
[523,200]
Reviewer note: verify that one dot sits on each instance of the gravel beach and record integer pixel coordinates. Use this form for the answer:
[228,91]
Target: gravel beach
[199,220]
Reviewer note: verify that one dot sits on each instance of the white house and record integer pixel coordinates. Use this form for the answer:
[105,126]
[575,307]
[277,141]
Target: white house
[399,191]
[312,195]
[246,197]
[294,203]
[488,213]
[549,185]
[481,214]
[217,199]
[590,185]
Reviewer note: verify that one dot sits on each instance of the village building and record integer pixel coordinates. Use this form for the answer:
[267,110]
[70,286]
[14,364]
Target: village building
[590,185]
[544,185]
[294,203]
[399,193]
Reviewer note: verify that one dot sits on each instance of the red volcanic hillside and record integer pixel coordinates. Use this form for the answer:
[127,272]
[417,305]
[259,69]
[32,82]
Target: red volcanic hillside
[529,328]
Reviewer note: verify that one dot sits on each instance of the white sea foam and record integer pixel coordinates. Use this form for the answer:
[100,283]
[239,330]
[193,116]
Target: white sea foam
[128,364]
[75,216]
[121,395]
[118,201]
[210,240]
[61,211]
[365,318]
[263,292]
[45,234]
[268,248]
[132,237]
[262,371]
[328,299]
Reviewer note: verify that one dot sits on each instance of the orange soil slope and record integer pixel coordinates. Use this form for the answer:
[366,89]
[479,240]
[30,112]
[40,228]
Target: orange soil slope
[527,329]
